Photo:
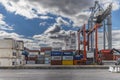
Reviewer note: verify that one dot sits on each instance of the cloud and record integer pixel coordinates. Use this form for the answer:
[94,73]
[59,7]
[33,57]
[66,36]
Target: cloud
[42,23]
[56,26]
[29,43]
[4,34]
[3,24]
[115,39]
[61,21]
[71,9]
[53,29]
[115,3]
[45,17]
[53,39]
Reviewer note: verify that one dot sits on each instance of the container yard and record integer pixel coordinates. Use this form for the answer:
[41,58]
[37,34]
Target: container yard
[59,39]
[81,47]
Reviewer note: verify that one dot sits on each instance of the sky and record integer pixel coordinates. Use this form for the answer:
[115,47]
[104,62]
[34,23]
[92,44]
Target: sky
[41,22]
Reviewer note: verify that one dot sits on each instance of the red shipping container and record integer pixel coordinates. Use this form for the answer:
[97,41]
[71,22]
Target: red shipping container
[56,62]
[105,51]
[115,57]
[107,56]
[43,49]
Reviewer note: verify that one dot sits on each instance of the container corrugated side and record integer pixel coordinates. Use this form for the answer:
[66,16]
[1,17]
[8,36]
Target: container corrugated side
[67,57]
[67,62]
[56,58]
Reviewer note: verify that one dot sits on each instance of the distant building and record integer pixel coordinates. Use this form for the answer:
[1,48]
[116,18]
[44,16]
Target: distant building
[70,41]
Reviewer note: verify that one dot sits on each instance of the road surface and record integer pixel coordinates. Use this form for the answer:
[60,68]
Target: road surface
[57,74]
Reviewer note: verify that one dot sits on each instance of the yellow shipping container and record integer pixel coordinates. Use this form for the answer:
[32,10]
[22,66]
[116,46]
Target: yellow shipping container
[67,62]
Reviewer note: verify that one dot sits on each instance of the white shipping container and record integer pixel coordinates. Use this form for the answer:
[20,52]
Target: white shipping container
[5,53]
[30,62]
[56,58]
[7,62]
[20,62]
[20,45]
[22,57]
[7,43]
[67,57]
[90,55]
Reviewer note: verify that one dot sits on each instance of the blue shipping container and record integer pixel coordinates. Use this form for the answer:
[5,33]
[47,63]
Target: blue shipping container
[67,53]
[78,57]
[47,62]
[56,53]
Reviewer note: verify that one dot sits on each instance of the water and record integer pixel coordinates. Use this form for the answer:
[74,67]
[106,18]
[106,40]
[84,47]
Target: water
[34,74]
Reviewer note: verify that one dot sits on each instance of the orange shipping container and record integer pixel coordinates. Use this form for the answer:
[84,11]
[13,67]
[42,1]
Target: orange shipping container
[79,62]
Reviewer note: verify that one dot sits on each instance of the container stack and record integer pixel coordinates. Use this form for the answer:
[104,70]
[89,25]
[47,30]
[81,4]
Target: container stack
[40,59]
[47,58]
[56,58]
[10,52]
[78,59]
[46,51]
[67,58]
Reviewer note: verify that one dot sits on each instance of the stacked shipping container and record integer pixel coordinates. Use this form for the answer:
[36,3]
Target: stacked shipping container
[56,58]
[67,58]
[11,52]
[47,57]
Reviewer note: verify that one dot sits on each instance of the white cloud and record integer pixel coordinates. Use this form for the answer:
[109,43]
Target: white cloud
[115,3]
[45,17]
[29,43]
[57,26]
[61,21]
[115,40]
[65,8]
[3,24]
[4,34]
[42,23]
[49,39]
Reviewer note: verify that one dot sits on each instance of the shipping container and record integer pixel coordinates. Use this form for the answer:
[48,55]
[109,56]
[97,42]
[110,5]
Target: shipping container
[20,62]
[32,57]
[90,55]
[56,53]
[78,57]
[20,45]
[47,58]
[56,62]
[47,52]
[116,57]
[107,56]
[67,57]
[31,62]
[90,61]
[43,49]
[67,53]
[8,62]
[7,43]
[41,57]
[67,62]
[47,62]
[56,58]
[40,61]
[8,53]
[79,62]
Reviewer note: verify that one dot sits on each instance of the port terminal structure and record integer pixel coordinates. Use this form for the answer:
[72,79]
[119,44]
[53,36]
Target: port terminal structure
[88,33]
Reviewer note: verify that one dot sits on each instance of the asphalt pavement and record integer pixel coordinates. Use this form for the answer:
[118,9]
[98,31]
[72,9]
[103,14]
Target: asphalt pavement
[60,74]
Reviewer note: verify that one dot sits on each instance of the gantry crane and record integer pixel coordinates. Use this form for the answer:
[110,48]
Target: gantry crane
[93,27]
